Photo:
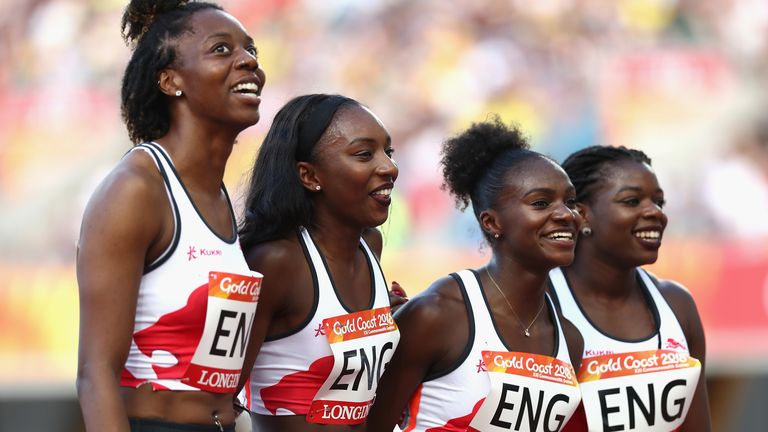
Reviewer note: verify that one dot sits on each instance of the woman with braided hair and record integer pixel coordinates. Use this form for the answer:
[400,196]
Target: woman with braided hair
[166,296]
[644,346]
[484,349]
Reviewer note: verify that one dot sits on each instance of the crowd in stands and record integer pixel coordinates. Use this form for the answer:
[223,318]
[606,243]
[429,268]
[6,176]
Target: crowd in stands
[680,79]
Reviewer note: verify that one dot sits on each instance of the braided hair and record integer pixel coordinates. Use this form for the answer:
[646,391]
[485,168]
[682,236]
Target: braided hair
[587,167]
[151,28]
[477,161]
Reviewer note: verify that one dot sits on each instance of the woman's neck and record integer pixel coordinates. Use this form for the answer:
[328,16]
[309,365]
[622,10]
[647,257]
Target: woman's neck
[199,157]
[523,288]
[589,273]
[338,242]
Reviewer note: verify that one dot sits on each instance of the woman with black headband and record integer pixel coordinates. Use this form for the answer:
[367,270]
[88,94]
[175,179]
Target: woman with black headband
[321,184]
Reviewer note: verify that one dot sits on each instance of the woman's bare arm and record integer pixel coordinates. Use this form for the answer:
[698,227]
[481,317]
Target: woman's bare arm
[682,303]
[119,227]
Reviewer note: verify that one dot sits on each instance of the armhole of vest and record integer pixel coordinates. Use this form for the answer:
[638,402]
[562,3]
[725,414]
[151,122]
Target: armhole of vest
[174,209]
[568,289]
[471,336]
[315,301]
[652,304]
[553,295]
[231,215]
[556,324]
[370,258]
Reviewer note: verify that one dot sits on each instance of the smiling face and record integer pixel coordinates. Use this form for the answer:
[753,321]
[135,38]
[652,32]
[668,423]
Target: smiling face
[217,70]
[534,215]
[353,165]
[625,214]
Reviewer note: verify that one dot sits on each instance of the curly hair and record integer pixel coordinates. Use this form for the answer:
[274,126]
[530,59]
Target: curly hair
[587,167]
[476,161]
[276,202]
[151,28]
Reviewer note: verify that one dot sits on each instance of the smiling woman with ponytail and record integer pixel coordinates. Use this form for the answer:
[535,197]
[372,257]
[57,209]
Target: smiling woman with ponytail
[320,187]
[158,351]
[465,338]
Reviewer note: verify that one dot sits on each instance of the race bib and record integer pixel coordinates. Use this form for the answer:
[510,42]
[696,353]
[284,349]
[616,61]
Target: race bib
[362,344]
[638,391]
[528,392]
[218,359]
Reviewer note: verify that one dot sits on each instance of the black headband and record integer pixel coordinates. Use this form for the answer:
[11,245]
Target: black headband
[315,121]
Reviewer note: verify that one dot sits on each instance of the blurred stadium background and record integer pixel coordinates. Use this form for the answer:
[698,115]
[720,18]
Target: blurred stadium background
[684,80]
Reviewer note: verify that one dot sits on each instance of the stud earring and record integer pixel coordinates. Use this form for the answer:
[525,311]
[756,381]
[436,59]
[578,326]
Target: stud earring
[496,235]
[586,231]
[317,188]
[178,93]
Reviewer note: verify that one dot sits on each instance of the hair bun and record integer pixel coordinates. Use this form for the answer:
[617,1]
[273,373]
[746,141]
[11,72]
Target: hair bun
[469,155]
[139,16]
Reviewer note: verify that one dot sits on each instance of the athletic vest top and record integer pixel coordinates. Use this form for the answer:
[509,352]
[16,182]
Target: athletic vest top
[328,368]
[491,388]
[642,385]
[196,302]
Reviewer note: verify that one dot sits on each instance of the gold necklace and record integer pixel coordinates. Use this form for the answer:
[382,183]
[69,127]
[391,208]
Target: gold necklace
[526,330]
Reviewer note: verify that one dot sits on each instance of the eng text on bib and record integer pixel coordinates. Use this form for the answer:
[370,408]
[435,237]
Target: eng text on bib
[218,359]
[638,391]
[362,344]
[528,392]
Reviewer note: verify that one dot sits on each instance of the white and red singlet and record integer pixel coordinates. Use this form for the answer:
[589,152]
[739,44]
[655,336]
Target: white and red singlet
[196,302]
[328,368]
[631,385]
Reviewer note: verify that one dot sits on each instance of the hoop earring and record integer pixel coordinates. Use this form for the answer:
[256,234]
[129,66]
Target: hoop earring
[586,231]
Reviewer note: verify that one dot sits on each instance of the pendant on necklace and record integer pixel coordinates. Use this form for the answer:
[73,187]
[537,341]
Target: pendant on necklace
[527,333]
